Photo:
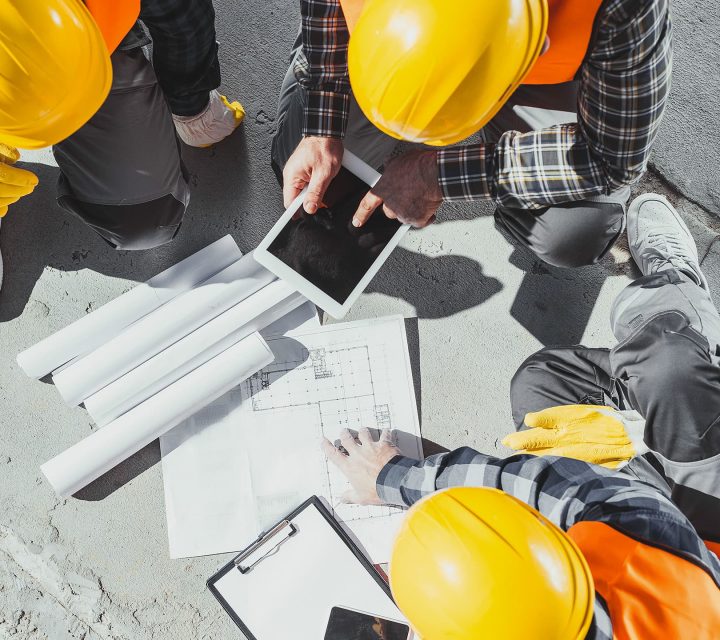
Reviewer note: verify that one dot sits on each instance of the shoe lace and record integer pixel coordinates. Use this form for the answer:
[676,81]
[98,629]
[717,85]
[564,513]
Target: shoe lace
[668,245]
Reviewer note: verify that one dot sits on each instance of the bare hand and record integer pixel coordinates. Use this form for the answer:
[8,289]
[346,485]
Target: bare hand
[408,190]
[314,164]
[362,463]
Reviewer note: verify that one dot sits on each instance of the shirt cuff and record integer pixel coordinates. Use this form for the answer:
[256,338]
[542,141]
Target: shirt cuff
[466,172]
[390,479]
[326,114]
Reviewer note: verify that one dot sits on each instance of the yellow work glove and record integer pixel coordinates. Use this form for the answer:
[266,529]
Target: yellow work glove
[595,434]
[14,183]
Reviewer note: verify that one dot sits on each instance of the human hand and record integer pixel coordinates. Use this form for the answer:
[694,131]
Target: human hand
[595,434]
[362,463]
[314,164]
[14,183]
[408,190]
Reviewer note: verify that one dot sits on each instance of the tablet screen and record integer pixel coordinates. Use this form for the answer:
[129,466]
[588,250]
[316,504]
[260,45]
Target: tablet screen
[325,248]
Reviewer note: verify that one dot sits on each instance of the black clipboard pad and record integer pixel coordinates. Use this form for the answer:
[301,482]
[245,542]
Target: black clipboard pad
[246,561]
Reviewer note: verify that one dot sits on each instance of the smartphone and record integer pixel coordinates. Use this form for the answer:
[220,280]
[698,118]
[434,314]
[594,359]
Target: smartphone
[346,624]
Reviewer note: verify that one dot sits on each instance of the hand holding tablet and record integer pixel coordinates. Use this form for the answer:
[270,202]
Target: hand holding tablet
[324,255]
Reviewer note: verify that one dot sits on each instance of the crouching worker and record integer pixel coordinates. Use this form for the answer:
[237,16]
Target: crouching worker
[75,75]
[534,547]
[656,393]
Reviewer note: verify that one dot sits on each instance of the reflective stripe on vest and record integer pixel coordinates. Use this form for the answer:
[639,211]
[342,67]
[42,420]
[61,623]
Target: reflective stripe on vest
[570,30]
[651,593]
[114,18]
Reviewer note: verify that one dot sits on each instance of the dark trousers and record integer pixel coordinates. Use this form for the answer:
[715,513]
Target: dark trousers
[571,234]
[666,367]
[122,172]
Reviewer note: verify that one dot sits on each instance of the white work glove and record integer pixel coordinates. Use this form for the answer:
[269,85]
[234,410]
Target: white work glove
[213,124]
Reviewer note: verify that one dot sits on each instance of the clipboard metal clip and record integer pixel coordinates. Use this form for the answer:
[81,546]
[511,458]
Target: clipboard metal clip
[256,552]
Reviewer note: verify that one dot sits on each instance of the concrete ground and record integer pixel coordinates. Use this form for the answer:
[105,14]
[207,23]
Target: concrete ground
[96,566]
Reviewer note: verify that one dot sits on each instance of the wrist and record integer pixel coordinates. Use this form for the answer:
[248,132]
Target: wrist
[390,480]
[465,173]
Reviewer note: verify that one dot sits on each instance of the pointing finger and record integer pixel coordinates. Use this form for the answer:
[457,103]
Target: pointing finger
[366,208]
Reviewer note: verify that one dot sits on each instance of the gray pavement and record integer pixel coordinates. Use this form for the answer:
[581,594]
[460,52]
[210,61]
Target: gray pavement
[96,566]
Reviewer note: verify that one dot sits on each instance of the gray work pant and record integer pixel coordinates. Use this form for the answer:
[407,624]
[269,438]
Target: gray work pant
[666,367]
[362,137]
[567,235]
[121,173]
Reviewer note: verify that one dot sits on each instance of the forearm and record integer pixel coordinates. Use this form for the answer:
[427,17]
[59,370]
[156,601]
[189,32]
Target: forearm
[564,490]
[624,87]
[325,40]
[524,170]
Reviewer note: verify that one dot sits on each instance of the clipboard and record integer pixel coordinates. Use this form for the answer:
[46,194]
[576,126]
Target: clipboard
[284,584]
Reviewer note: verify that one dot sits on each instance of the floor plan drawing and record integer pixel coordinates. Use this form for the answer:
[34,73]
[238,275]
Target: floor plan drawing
[248,459]
[350,376]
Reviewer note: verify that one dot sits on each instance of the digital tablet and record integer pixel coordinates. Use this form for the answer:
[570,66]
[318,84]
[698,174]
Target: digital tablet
[323,255]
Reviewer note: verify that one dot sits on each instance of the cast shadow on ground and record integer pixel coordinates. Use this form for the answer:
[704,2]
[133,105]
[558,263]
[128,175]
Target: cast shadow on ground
[436,286]
[37,233]
[555,304]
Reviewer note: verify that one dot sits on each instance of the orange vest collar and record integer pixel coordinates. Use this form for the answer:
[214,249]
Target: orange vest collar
[651,593]
[114,18]
[570,30]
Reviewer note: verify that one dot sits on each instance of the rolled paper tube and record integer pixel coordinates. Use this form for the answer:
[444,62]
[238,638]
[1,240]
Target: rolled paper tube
[253,314]
[160,329]
[96,328]
[87,460]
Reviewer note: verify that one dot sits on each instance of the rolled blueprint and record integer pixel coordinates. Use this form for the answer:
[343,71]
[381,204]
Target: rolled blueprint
[96,328]
[86,461]
[256,312]
[160,329]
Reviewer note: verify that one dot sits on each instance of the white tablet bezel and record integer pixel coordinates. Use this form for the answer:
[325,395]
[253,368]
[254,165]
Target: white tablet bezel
[368,175]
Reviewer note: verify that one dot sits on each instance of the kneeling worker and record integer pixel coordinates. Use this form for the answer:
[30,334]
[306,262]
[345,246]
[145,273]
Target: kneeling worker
[569,95]
[533,548]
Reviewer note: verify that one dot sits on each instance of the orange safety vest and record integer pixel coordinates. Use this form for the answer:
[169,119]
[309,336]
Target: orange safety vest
[570,30]
[114,18]
[650,592]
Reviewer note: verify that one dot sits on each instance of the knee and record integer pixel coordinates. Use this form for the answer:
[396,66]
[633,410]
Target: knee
[532,377]
[577,234]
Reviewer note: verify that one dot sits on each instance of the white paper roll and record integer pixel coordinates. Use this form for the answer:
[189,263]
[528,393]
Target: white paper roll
[96,328]
[86,461]
[256,312]
[160,329]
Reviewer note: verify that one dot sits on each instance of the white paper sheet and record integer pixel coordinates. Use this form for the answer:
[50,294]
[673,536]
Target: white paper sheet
[289,594]
[203,521]
[96,328]
[252,456]
[160,329]
[87,460]
[254,313]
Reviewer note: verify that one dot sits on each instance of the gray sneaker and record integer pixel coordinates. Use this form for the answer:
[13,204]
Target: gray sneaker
[659,239]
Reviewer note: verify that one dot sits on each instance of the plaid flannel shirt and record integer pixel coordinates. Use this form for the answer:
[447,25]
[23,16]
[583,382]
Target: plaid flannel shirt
[565,491]
[624,86]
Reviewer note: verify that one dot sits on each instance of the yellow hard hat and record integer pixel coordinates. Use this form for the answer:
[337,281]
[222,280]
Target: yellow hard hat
[437,71]
[474,563]
[54,70]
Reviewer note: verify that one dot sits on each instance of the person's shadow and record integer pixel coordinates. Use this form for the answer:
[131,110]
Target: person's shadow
[226,198]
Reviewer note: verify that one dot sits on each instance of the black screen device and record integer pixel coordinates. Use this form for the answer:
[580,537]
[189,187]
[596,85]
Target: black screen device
[346,624]
[325,248]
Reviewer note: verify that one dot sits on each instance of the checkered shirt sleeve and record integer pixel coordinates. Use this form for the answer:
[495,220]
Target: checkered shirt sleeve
[325,41]
[624,86]
[565,491]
